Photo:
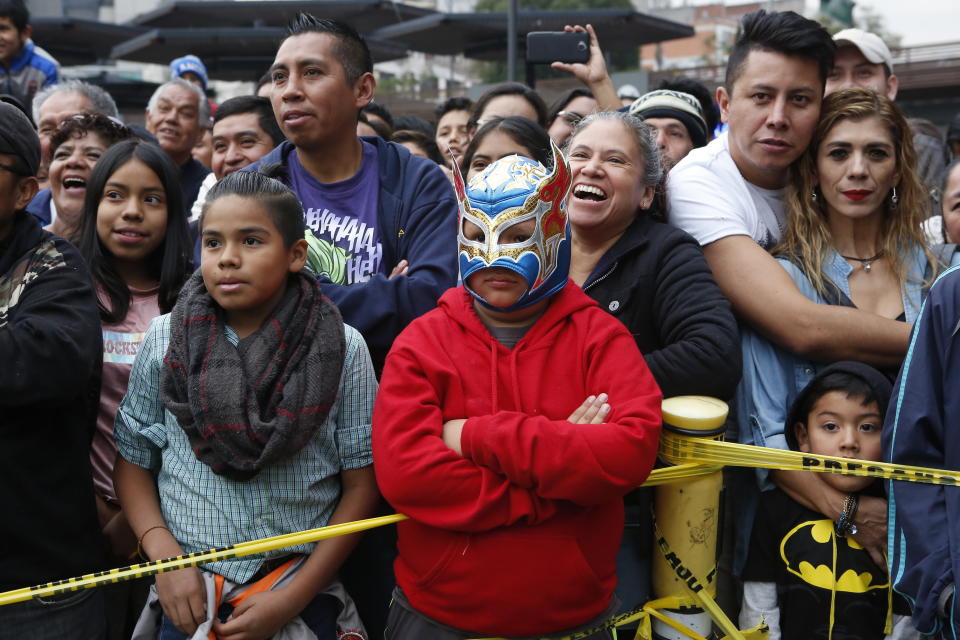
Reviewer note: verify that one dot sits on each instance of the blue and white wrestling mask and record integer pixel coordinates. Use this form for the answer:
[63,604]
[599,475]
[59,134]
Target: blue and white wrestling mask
[511,191]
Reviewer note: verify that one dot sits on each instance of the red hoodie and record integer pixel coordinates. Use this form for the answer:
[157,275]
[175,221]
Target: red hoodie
[519,535]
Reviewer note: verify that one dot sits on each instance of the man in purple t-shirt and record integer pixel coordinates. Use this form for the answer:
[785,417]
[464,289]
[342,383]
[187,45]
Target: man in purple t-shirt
[346,246]
[383,222]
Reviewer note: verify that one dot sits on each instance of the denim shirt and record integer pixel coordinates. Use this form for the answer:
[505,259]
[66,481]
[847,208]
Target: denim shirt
[773,377]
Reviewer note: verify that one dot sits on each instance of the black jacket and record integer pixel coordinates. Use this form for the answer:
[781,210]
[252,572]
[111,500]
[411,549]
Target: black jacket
[657,282]
[50,353]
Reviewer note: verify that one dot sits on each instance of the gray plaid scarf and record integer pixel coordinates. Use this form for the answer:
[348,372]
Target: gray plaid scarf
[248,406]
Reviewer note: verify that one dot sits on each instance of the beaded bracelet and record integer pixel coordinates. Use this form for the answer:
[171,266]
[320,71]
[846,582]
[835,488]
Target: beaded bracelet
[845,523]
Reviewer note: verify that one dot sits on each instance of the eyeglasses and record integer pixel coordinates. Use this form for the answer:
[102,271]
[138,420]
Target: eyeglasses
[572,117]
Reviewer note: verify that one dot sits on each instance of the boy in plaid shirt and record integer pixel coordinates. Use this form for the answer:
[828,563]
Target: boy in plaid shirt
[248,416]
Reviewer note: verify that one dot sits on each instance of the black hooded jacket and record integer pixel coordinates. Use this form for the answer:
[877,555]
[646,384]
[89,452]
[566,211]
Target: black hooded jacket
[657,282]
[50,354]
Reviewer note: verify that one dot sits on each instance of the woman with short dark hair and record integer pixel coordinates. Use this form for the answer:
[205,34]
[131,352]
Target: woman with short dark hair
[75,147]
[654,279]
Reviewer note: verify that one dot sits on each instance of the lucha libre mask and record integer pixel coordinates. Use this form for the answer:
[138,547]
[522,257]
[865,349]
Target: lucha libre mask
[510,191]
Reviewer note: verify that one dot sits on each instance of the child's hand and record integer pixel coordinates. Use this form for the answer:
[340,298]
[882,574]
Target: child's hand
[183,598]
[258,617]
[594,410]
[452,429]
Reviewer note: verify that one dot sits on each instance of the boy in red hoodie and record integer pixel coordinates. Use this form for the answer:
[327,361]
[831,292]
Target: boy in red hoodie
[510,422]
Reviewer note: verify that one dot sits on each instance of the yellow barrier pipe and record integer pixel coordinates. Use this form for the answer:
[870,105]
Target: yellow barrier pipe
[687,513]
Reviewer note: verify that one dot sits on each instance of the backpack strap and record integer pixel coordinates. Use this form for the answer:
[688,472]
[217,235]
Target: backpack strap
[263,584]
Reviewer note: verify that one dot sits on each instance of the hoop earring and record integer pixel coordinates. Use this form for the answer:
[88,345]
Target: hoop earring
[813,194]
[894,199]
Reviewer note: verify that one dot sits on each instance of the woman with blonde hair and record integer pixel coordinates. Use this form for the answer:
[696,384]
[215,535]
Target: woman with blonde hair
[854,238]
[855,196]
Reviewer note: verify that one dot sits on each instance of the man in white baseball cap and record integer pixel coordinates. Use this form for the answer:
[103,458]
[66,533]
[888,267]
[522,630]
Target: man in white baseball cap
[863,60]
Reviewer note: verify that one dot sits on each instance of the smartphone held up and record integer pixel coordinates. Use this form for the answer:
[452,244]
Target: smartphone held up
[544,47]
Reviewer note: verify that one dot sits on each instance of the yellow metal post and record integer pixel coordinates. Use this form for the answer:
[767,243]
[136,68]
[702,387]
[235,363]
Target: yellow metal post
[687,517]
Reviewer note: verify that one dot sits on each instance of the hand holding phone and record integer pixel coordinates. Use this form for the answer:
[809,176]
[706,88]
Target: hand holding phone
[592,71]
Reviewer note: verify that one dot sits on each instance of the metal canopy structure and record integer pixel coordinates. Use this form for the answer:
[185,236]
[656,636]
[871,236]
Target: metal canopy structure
[483,35]
[244,40]
[364,15]
[74,41]
[229,53]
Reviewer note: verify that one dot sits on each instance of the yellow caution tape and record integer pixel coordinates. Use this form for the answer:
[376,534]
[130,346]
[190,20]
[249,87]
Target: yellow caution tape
[691,456]
[675,473]
[642,615]
[193,559]
[698,589]
[699,598]
[685,449]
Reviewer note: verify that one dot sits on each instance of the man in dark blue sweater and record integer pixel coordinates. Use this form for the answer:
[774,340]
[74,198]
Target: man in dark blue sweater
[383,222]
[921,429]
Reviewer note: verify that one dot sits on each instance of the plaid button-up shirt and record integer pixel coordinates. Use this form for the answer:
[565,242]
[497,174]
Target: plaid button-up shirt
[204,510]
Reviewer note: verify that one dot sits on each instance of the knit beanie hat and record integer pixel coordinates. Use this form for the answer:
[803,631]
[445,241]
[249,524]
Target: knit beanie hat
[666,103]
[189,64]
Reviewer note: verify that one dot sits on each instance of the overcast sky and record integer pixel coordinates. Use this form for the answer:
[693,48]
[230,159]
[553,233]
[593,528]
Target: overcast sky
[919,21]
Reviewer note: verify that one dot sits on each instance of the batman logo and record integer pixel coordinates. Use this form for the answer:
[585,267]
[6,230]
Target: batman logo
[812,541]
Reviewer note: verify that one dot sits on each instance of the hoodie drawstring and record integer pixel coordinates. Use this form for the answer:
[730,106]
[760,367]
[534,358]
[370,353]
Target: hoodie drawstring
[888,624]
[494,398]
[833,588]
[514,380]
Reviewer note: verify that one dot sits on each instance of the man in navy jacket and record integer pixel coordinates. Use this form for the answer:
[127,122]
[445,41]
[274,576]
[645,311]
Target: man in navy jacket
[923,429]
[383,221]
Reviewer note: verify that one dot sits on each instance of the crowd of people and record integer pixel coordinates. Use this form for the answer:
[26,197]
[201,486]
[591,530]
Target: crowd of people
[294,309]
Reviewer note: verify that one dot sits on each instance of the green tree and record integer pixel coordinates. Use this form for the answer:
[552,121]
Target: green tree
[839,10]
[497,71]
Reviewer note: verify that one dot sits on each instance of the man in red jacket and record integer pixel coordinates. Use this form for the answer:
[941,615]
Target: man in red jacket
[510,423]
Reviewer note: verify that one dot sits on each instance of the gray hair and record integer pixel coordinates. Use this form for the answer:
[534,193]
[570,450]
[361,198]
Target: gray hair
[203,110]
[642,137]
[100,101]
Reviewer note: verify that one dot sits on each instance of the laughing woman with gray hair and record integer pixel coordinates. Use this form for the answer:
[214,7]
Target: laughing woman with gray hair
[654,279]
